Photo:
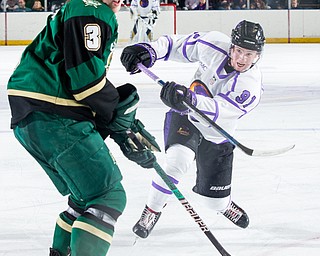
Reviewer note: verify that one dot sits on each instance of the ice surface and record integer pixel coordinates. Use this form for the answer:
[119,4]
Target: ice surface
[280,194]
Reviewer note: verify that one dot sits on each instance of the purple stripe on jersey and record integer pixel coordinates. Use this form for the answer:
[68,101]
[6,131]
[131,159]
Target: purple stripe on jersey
[167,127]
[221,67]
[184,49]
[166,57]
[208,113]
[213,46]
[234,81]
[195,35]
[194,99]
[231,101]
[217,111]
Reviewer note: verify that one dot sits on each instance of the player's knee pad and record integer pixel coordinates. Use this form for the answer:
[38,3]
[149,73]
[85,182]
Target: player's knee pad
[73,211]
[94,227]
[178,160]
[67,217]
[98,221]
[107,208]
[103,215]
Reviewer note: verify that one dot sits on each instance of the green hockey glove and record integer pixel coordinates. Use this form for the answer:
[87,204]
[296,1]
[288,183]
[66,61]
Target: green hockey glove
[124,120]
[141,153]
[125,112]
[142,156]
[144,137]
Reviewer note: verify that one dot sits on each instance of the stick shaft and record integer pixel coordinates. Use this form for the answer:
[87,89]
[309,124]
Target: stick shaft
[218,128]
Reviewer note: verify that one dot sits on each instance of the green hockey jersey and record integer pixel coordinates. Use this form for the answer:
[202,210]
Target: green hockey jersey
[63,71]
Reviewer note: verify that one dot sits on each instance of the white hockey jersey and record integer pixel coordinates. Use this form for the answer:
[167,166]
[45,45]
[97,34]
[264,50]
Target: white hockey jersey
[144,7]
[233,94]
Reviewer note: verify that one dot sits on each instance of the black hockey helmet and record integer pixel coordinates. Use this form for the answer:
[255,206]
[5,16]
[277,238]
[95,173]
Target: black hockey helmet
[248,35]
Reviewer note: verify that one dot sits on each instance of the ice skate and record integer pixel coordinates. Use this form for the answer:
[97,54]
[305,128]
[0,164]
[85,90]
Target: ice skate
[54,252]
[237,215]
[146,222]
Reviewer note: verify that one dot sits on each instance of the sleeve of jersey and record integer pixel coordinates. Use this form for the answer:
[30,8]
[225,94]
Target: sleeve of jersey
[225,109]
[156,6]
[133,8]
[87,46]
[181,48]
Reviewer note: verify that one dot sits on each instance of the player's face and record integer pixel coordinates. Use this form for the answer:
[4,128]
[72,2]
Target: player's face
[242,59]
[115,5]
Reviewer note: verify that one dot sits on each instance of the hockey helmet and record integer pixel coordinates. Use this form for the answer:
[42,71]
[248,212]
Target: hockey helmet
[248,35]
[144,3]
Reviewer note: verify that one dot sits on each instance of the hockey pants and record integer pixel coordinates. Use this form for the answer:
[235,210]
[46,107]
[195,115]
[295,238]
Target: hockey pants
[78,162]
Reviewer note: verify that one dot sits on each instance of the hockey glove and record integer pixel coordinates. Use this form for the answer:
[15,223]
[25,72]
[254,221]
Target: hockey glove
[142,153]
[144,137]
[143,157]
[138,53]
[125,112]
[173,95]
[124,120]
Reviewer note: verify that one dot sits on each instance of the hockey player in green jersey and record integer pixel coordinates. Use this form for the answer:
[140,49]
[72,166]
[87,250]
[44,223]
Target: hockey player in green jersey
[63,108]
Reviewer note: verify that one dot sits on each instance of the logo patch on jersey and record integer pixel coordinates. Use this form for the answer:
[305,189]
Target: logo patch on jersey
[203,66]
[213,80]
[93,3]
[184,131]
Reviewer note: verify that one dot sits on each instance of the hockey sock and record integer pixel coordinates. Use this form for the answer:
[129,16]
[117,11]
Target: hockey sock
[90,237]
[62,233]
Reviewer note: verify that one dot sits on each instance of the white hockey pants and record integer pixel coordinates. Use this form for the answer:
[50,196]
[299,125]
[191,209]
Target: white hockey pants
[178,161]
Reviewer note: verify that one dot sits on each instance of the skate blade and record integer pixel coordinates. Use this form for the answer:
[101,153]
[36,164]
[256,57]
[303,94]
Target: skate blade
[136,239]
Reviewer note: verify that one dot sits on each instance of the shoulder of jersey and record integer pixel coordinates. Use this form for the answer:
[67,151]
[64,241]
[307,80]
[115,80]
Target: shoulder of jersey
[95,4]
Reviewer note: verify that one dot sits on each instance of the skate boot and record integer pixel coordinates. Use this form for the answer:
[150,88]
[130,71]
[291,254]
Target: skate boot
[54,252]
[146,223]
[236,215]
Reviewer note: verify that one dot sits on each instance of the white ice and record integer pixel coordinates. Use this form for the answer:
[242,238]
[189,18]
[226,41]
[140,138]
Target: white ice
[281,194]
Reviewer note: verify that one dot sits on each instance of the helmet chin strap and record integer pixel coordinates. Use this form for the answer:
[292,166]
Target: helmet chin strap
[257,59]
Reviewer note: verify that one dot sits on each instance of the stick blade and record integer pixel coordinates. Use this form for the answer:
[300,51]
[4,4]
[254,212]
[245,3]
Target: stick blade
[273,152]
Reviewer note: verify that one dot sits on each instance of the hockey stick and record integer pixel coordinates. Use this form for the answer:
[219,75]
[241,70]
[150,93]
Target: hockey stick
[205,118]
[182,199]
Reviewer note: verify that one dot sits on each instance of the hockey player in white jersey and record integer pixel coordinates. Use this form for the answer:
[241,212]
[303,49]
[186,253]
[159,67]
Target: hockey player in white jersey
[226,86]
[144,14]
